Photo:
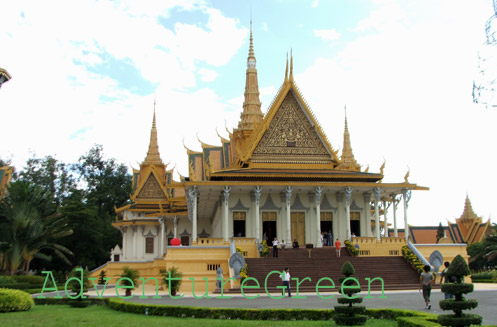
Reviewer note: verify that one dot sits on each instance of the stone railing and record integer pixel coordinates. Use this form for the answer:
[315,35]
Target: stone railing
[210,241]
[386,246]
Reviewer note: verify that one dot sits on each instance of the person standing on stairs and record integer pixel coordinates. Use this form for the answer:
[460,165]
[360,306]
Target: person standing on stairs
[338,246]
[275,247]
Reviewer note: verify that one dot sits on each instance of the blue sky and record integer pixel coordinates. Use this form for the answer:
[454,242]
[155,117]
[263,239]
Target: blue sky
[88,72]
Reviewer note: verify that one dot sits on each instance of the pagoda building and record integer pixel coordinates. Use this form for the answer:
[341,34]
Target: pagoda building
[277,175]
[157,204]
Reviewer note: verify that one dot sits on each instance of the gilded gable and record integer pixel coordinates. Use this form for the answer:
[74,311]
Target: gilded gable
[290,137]
[151,189]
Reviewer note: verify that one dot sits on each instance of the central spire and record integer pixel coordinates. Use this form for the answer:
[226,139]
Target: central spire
[348,160]
[251,114]
[153,155]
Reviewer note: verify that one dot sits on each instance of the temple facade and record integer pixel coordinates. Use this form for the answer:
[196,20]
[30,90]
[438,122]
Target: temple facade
[275,175]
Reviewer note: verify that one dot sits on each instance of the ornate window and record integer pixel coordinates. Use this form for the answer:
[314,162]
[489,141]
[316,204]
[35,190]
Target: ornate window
[149,245]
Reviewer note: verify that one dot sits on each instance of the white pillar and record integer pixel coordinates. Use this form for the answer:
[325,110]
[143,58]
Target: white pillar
[134,229]
[336,220]
[257,221]
[367,216]
[405,194]
[175,227]
[194,196]
[348,195]
[125,240]
[162,232]
[226,194]
[394,201]
[385,217]
[377,192]
[288,236]
[319,192]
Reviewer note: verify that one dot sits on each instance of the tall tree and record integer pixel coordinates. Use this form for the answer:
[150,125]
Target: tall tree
[440,232]
[29,227]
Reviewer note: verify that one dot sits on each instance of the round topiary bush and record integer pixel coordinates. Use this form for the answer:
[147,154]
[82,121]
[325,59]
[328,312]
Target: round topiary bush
[349,315]
[15,300]
[458,269]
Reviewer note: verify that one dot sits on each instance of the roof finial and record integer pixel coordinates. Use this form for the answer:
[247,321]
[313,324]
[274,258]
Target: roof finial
[153,155]
[291,66]
[251,46]
[286,69]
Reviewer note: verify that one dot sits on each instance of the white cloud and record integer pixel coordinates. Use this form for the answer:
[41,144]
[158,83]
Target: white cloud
[327,35]
[264,26]
[207,75]
[407,86]
[315,3]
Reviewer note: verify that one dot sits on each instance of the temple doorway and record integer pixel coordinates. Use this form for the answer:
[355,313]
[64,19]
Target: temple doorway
[269,226]
[355,223]
[239,218]
[327,226]
[298,227]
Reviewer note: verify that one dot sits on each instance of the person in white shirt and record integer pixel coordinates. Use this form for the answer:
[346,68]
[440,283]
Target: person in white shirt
[286,281]
[275,247]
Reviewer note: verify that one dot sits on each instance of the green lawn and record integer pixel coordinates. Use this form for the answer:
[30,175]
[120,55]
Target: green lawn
[61,315]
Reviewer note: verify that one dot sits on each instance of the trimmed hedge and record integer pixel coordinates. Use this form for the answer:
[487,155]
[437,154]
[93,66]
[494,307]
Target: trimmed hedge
[468,304]
[17,286]
[466,319]
[416,322]
[220,313]
[454,288]
[35,280]
[15,300]
[66,300]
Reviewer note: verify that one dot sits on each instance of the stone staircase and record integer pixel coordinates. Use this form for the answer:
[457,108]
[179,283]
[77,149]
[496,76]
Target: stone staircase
[395,271]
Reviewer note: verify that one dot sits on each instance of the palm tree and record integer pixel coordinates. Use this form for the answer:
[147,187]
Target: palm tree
[491,249]
[26,230]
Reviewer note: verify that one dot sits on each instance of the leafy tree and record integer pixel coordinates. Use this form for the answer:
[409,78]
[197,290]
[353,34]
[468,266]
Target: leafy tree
[491,248]
[53,176]
[476,252]
[28,227]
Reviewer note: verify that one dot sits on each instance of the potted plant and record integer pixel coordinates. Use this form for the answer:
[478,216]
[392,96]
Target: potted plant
[132,276]
[172,272]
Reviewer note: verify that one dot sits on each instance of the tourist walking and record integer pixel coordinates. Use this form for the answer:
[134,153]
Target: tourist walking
[275,247]
[425,281]
[338,246]
[445,278]
[286,281]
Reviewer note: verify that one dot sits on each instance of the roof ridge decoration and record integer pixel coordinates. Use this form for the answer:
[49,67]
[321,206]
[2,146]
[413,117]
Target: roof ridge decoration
[150,188]
[153,155]
[205,145]
[188,150]
[468,212]
[290,112]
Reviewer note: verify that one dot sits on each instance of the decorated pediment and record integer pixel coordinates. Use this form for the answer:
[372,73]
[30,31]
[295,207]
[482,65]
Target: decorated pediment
[151,189]
[291,136]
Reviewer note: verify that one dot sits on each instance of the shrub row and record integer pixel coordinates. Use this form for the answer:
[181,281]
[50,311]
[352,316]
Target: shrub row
[221,313]
[17,286]
[412,259]
[14,300]
[255,314]
[66,300]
